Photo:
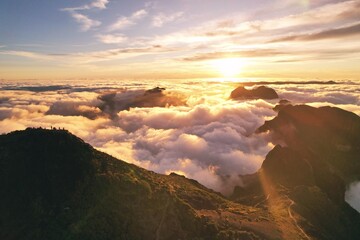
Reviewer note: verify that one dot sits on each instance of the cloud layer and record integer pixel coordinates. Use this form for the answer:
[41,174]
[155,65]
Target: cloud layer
[191,128]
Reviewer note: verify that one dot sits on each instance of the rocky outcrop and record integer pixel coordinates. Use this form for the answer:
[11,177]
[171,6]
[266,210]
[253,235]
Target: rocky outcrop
[261,92]
[319,157]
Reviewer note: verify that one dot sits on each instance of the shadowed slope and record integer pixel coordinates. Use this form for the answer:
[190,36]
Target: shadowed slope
[55,186]
[307,178]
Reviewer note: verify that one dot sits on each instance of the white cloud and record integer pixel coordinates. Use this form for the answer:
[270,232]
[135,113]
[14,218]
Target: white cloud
[160,19]
[27,54]
[85,22]
[210,139]
[352,195]
[139,14]
[112,38]
[82,58]
[100,4]
[121,23]
[125,22]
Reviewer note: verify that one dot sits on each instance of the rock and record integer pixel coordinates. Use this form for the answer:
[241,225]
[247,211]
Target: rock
[154,91]
[261,92]
[307,177]
[287,167]
[282,103]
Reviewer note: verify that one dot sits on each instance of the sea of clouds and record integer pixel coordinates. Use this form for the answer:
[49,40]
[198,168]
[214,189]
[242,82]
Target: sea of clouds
[191,128]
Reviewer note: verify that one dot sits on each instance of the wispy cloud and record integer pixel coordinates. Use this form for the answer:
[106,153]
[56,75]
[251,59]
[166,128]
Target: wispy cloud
[85,22]
[235,54]
[139,14]
[90,57]
[326,34]
[100,4]
[121,23]
[125,22]
[119,53]
[27,54]
[160,19]
[112,38]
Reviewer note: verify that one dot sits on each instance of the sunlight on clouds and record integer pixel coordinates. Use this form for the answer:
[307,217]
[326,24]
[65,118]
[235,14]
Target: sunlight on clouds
[208,137]
[273,42]
[112,38]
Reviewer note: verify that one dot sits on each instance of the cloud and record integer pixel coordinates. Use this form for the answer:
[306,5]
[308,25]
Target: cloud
[100,4]
[112,38]
[343,94]
[235,36]
[164,130]
[121,23]
[69,108]
[139,14]
[326,34]
[92,56]
[207,137]
[125,22]
[231,33]
[118,53]
[114,102]
[27,54]
[352,195]
[236,54]
[216,142]
[160,19]
[85,22]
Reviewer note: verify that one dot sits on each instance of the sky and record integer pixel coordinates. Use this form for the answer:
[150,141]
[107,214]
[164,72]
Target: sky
[179,39]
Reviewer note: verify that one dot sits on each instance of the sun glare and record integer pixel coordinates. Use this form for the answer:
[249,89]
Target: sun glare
[229,67]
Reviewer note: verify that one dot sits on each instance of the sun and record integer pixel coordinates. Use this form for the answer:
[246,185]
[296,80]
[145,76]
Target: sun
[229,67]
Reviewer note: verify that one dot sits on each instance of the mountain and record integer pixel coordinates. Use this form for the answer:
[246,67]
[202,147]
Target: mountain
[261,92]
[53,185]
[308,175]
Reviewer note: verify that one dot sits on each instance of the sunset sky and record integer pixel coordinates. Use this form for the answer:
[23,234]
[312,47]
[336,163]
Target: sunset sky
[164,39]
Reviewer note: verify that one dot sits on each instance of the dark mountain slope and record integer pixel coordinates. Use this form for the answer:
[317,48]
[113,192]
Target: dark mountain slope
[55,186]
[308,176]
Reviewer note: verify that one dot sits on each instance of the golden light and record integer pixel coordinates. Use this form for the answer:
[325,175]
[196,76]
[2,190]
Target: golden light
[229,67]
